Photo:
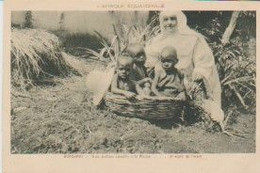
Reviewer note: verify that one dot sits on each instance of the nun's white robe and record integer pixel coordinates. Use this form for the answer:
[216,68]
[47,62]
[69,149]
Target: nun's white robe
[194,54]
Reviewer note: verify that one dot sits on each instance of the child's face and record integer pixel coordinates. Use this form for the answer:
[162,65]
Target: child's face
[168,63]
[124,70]
[140,58]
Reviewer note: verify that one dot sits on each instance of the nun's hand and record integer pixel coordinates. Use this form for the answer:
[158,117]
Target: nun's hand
[196,76]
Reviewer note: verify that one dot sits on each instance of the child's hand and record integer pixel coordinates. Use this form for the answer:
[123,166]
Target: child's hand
[129,95]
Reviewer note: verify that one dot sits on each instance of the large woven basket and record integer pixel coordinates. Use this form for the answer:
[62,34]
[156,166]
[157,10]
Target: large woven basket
[155,108]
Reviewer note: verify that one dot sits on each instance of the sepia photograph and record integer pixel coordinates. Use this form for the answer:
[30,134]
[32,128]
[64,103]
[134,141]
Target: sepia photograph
[133,82]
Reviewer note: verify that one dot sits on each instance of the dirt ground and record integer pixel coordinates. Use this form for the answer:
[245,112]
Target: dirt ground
[61,119]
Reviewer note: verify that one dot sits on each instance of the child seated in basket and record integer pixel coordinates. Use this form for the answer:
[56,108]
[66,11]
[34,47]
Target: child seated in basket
[122,83]
[168,82]
[139,74]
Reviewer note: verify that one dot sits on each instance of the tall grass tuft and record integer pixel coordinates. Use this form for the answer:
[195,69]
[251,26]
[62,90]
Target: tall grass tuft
[35,57]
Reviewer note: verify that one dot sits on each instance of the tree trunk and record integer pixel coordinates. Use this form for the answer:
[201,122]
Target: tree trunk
[229,30]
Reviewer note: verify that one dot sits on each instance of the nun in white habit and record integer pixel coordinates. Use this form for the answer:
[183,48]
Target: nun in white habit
[196,60]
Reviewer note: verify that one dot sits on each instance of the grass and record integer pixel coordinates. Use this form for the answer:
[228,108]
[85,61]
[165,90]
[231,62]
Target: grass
[35,57]
[62,119]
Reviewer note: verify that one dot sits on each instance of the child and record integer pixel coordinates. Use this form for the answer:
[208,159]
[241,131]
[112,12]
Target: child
[136,51]
[168,82]
[122,83]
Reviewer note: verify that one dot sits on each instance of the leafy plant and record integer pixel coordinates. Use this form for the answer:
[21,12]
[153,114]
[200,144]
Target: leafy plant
[129,34]
[237,74]
[236,67]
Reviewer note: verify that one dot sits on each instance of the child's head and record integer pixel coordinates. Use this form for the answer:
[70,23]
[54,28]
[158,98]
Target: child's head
[124,66]
[169,57]
[136,51]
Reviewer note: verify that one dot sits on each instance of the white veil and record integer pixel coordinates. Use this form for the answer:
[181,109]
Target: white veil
[182,26]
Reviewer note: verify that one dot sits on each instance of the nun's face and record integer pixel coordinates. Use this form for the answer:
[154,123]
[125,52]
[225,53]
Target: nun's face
[169,22]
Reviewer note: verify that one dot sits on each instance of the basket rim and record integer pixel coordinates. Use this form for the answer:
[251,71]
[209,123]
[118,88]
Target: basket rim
[140,98]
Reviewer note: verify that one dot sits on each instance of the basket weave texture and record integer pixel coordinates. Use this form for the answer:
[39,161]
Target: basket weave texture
[155,108]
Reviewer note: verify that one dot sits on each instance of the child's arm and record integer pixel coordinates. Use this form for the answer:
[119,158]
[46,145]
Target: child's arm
[154,85]
[116,90]
[139,89]
[142,81]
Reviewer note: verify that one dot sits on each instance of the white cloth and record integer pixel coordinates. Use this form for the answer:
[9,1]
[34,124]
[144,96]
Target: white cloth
[98,82]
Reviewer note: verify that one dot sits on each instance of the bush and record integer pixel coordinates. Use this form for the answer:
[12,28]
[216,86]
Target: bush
[236,61]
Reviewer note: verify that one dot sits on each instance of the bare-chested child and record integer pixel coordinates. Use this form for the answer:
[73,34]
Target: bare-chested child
[139,73]
[168,82]
[122,82]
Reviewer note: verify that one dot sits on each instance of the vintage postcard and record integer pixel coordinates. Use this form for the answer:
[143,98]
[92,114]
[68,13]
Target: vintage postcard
[130,86]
